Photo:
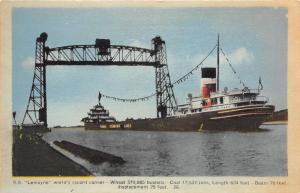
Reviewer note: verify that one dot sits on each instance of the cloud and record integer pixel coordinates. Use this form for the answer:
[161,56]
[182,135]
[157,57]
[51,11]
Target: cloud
[238,56]
[137,43]
[28,63]
[57,71]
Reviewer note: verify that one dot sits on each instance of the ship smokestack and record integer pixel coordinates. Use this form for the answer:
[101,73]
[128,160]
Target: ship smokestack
[208,81]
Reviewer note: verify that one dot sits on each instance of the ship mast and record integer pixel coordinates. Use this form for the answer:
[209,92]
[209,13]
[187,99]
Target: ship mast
[218,63]
[99,98]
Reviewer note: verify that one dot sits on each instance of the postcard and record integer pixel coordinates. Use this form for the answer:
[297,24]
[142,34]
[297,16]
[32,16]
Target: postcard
[150,96]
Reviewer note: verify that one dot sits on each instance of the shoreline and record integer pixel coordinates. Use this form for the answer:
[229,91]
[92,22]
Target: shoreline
[32,156]
[275,123]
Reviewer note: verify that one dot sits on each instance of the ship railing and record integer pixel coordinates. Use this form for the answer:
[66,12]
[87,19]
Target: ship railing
[244,91]
[257,99]
[262,98]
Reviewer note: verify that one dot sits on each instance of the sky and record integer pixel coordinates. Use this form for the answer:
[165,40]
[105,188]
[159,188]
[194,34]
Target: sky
[254,40]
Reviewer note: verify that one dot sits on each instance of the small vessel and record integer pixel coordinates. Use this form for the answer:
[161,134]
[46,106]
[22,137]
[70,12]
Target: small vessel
[99,117]
[238,109]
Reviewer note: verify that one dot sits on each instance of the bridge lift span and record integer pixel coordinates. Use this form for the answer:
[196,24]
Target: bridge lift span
[99,54]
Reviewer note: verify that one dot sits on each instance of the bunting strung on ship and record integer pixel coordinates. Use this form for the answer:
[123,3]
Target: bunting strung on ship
[129,100]
[187,75]
[180,80]
[234,71]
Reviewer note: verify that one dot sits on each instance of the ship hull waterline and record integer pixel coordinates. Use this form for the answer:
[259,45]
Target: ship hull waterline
[245,118]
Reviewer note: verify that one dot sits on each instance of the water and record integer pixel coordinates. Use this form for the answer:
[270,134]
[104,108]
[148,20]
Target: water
[223,153]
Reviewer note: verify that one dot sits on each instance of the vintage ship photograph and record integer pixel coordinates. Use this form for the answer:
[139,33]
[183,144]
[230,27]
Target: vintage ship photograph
[149,92]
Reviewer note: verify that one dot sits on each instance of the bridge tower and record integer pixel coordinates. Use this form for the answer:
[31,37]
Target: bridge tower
[165,98]
[36,109]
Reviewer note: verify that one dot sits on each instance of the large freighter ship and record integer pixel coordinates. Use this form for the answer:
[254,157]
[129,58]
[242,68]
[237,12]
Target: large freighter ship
[238,109]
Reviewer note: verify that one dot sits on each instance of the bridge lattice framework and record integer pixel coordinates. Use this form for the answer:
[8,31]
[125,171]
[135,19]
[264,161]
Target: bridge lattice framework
[102,53]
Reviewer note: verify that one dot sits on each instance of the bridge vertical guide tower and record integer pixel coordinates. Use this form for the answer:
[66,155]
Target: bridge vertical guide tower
[36,109]
[165,98]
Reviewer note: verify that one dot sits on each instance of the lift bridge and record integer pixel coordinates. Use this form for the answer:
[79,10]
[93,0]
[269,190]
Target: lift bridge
[102,53]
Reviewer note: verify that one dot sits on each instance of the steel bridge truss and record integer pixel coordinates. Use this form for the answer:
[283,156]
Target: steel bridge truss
[92,55]
[100,54]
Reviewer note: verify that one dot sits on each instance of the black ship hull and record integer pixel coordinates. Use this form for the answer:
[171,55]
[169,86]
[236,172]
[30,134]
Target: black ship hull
[241,118]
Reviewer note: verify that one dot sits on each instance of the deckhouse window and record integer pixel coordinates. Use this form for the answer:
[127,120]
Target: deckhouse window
[221,100]
[214,101]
